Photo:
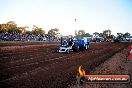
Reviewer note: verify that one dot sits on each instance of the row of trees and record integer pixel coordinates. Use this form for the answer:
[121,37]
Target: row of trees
[11,27]
[105,34]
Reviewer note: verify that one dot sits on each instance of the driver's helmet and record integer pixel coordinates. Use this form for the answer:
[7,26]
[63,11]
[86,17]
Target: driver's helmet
[70,42]
[64,43]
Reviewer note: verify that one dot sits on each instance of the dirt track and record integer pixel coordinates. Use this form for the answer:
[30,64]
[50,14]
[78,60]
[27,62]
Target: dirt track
[115,65]
[36,66]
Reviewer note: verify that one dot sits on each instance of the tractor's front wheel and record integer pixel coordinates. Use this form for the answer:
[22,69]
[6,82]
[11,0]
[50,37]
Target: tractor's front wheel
[77,49]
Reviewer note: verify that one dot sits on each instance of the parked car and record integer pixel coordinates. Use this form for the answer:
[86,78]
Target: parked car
[129,38]
[116,39]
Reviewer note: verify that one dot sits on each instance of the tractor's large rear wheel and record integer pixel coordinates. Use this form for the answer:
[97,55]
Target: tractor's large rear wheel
[77,49]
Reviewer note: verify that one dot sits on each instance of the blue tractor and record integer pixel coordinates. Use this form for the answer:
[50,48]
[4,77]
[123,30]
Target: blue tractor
[84,43]
[73,45]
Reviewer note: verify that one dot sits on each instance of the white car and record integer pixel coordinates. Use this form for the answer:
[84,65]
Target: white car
[129,38]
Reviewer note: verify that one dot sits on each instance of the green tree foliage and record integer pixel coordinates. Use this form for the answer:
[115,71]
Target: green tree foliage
[126,34]
[101,35]
[53,31]
[37,30]
[96,34]
[10,27]
[87,35]
[23,29]
[28,32]
[81,33]
[107,33]
[3,28]
[120,34]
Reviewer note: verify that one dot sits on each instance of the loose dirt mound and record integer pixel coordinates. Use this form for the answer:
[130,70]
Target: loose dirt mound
[37,66]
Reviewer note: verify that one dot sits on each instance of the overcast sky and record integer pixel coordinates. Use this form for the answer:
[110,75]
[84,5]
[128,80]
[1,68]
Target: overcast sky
[91,15]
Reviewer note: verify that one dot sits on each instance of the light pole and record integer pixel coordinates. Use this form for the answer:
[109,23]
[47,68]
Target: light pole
[75,28]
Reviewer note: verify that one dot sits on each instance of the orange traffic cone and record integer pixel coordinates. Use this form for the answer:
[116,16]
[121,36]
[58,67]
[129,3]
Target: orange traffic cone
[130,53]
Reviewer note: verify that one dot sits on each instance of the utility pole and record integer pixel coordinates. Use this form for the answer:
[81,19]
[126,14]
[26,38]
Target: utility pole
[75,28]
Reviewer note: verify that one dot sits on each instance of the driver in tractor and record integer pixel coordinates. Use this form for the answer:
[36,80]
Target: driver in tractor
[65,43]
[71,42]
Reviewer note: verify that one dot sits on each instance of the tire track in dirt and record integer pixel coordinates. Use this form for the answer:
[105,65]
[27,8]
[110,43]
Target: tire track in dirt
[66,65]
[30,66]
[13,70]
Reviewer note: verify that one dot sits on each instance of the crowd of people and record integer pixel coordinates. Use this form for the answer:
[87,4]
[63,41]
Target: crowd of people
[25,37]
